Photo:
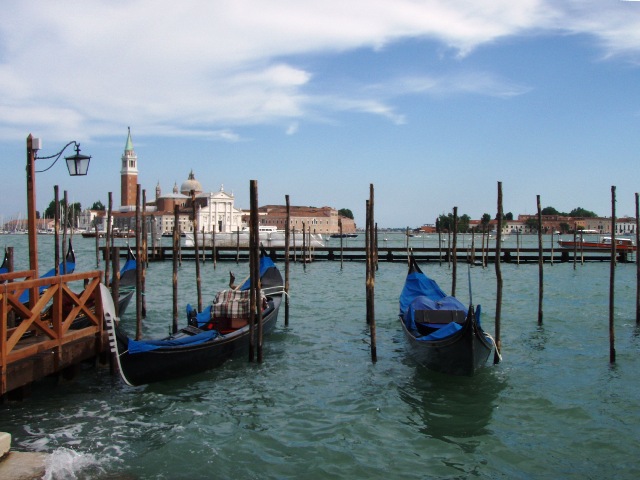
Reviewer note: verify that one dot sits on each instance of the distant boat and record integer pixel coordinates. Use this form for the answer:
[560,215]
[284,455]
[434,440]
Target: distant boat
[344,235]
[602,244]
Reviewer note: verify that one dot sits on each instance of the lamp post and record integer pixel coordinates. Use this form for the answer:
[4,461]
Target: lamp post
[77,164]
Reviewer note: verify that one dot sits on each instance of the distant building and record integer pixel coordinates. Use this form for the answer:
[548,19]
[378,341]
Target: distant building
[128,176]
[323,220]
[215,211]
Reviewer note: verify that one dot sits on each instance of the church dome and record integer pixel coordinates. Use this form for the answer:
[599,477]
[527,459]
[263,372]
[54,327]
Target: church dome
[191,184]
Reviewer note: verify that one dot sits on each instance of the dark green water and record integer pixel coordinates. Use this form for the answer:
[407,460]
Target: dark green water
[318,408]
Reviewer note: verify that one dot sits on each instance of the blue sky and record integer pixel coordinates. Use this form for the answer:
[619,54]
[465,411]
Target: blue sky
[433,102]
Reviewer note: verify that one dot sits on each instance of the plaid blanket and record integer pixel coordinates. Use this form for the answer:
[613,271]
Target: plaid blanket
[233,304]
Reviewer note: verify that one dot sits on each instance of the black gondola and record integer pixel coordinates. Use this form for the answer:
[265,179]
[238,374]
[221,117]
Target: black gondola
[442,333]
[199,346]
[4,268]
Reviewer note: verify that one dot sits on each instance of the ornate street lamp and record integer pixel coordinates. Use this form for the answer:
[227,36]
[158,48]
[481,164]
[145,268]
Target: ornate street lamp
[77,164]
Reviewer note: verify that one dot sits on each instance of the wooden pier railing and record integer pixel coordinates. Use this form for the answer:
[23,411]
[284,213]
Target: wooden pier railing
[60,329]
[394,254]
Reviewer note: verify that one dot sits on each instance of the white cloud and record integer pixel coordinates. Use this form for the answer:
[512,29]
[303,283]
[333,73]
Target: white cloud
[208,66]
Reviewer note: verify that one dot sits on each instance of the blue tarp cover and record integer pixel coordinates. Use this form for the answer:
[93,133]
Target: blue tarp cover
[149,345]
[203,317]
[129,265]
[71,266]
[265,264]
[422,293]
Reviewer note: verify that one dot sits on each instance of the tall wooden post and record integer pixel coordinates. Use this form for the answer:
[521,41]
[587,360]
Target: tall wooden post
[65,227]
[144,256]
[115,283]
[540,262]
[286,261]
[195,244]
[237,245]
[367,268]
[612,277]
[496,358]
[31,217]
[637,261]
[575,244]
[56,229]
[95,228]
[253,228]
[341,243]
[255,273]
[107,245]
[304,246]
[176,248]
[372,277]
[138,267]
[454,251]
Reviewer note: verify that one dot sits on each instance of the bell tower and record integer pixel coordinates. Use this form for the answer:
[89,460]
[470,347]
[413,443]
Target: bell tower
[128,175]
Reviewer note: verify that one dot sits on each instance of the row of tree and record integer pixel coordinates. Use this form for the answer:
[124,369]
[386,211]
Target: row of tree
[445,223]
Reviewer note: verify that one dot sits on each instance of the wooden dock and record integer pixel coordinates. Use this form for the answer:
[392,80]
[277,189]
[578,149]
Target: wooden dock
[392,254]
[43,336]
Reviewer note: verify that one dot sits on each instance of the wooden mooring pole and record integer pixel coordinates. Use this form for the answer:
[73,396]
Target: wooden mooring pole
[540,262]
[637,261]
[496,357]
[115,283]
[107,238]
[195,244]
[145,253]
[287,228]
[138,268]
[176,248]
[56,230]
[612,277]
[454,252]
[371,278]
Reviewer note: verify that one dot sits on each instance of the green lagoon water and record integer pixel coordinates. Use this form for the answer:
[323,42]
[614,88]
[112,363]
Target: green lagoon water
[317,407]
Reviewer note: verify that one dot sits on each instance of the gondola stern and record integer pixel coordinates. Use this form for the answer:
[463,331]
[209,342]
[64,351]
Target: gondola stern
[110,319]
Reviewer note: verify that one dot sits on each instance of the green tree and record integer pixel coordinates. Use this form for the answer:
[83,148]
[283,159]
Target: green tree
[72,212]
[463,223]
[98,206]
[550,211]
[508,216]
[444,223]
[581,212]
[345,212]
[484,221]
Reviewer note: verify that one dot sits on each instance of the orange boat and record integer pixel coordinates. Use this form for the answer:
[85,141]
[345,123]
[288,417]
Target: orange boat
[603,244]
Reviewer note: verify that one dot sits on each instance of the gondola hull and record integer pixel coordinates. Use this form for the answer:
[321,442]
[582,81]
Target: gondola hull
[167,363]
[442,333]
[461,354]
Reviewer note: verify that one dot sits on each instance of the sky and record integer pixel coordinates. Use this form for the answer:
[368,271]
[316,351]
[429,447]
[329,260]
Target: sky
[431,102]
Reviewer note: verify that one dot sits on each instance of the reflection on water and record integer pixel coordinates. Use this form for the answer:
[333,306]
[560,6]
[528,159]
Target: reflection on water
[452,409]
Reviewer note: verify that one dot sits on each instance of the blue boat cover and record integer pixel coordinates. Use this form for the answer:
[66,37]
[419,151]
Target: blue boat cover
[139,346]
[422,293]
[265,264]
[71,266]
[130,264]
[203,317]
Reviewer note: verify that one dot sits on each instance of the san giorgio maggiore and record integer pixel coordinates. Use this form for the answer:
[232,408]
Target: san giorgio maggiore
[215,211]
